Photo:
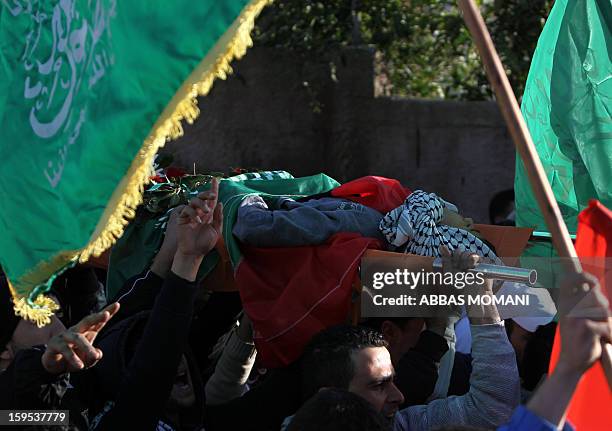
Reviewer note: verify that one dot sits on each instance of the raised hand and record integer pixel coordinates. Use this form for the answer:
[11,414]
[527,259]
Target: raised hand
[461,261]
[73,350]
[584,322]
[199,227]
[584,325]
[200,223]
[163,259]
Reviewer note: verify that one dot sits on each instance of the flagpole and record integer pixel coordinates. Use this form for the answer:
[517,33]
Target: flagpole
[522,140]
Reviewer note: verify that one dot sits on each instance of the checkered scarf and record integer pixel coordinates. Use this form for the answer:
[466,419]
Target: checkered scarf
[415,224]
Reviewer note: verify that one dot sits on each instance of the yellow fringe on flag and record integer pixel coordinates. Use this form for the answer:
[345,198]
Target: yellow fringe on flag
[128,194]
[40,314]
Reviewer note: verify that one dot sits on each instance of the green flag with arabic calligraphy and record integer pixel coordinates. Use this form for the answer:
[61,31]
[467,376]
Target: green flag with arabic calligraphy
[89,90]
[567,106]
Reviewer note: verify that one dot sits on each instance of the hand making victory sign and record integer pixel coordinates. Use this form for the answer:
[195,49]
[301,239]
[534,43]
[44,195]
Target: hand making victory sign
[198,229]
[73,350]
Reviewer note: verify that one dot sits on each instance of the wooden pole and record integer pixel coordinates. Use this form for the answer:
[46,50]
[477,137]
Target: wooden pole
[522,140]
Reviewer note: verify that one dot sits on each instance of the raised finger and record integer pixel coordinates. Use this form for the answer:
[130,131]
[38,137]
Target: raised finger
[217,222]
[82,346]
[214,186]
[201,206]
[111,309]
[96,321]
[74,362]
[89,321]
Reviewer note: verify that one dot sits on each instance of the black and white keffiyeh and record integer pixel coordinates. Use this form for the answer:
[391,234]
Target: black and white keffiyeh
[415,224]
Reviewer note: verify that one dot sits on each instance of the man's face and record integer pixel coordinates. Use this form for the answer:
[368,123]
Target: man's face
[27,335]
[373,380]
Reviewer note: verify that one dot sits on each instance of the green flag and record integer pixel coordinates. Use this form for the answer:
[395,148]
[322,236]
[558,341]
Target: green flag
[567,105]
[89,91]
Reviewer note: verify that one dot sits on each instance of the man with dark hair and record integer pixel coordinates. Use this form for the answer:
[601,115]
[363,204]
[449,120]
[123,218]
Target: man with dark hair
[354,358]
[415,354]
[368,371]
[337,409]
[417,346]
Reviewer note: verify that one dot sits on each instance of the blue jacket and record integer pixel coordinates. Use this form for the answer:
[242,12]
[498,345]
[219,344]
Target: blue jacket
[293,223]
[525,420]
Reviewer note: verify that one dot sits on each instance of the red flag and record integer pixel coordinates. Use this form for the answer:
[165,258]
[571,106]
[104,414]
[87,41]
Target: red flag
[292,293]
[592,402]
[382,194]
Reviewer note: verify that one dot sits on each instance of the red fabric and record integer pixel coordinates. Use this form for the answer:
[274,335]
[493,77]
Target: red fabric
[382,194]
[290,294]
[174,172]
[592,402]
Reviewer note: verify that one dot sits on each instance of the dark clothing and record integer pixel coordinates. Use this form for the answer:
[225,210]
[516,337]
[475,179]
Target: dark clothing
[137,294]
[26,385]
[146,380]
[262,408]
[416,373]
[131,387]
[210,319]
[79,293]
[8,319]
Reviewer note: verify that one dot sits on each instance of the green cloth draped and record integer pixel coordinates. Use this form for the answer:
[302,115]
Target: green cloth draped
[135,251]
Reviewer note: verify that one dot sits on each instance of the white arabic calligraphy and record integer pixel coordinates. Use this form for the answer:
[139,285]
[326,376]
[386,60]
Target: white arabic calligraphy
[62,152]
[78,49]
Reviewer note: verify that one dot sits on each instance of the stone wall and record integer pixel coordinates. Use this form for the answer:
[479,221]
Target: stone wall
[270,115]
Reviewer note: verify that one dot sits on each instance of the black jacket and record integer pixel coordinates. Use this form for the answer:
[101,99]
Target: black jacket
[123,393]
[26,385]
[141,357]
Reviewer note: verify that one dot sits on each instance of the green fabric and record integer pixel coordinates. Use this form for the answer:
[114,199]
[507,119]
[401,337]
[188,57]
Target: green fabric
[567,105]
[135,251]
[81,85]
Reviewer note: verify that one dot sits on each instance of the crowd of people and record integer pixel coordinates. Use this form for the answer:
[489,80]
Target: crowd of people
[166,353]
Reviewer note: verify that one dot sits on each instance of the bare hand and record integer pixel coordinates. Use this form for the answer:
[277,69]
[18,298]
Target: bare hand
[584,325]
[73,350]
[200,223]
[461,261]
[448,315]
[163,259]
[458,260]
